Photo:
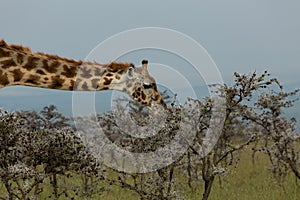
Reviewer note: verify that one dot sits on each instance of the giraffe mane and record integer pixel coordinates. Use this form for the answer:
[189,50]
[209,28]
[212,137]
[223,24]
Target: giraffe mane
[120,66]
[27,50]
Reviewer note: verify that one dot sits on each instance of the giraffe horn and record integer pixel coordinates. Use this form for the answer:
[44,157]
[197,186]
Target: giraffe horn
[144,65]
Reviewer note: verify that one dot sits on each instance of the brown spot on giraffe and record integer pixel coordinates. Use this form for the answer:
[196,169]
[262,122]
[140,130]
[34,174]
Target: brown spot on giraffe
[85,73]
[3,53]
[39,71]
[118,77]
[84,86]
[52,66]
[31,63]
[3,78]
[20,58]
[17,74]
[98,72]
[155,97]
[75,84]
[7,63]
[95,83]
[72,85]
[143,95]
[33,79]
[57,82]
[107,81]
[69,71]
[134,95]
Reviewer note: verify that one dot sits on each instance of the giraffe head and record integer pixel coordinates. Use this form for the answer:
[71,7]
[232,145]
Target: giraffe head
[141,86]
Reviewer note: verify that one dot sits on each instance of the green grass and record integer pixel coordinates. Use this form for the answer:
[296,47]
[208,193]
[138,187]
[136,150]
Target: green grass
[246,181]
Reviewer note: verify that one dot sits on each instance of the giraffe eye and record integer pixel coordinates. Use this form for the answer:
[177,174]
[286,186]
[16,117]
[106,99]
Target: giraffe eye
[147,85]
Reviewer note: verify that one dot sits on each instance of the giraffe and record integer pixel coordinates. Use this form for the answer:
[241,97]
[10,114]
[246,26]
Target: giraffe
[20,66]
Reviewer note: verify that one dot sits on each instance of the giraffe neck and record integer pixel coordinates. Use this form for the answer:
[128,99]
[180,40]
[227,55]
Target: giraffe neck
[20,66]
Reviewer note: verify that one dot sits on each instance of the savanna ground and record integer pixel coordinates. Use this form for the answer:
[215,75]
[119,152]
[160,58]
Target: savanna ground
[245,181]
[250,180]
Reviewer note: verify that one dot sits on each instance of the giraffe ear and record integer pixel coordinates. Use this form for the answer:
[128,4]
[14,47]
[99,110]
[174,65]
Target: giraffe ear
[130,72]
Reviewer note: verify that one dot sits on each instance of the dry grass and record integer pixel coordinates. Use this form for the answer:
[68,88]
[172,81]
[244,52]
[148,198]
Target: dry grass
[245,181]
[250,181]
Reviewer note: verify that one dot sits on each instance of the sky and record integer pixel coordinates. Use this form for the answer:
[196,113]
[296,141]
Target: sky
[240,36]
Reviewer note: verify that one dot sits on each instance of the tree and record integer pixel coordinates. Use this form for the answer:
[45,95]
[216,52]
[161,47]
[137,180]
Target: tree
[34,147]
